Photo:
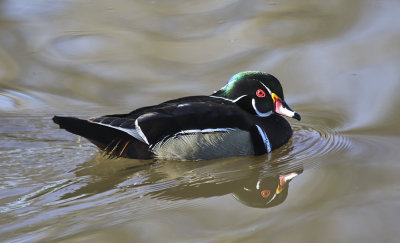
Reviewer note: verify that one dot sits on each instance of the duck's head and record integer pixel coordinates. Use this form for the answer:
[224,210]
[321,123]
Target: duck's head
[259,93]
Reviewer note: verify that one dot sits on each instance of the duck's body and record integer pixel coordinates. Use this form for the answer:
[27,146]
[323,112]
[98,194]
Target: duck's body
[228,123]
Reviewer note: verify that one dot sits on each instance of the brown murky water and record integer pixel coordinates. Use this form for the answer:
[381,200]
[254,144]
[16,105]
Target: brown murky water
[339,63]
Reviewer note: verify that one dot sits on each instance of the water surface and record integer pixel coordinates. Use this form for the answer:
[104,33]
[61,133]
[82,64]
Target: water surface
[337,178]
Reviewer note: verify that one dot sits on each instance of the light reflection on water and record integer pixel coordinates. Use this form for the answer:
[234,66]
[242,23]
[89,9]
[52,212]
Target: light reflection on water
[66,58]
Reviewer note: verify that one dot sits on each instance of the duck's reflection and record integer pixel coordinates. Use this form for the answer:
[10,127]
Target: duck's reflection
[259,187]
[253,182]
[265,192]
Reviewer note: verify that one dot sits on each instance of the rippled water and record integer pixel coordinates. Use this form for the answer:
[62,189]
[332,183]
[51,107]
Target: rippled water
[337,178]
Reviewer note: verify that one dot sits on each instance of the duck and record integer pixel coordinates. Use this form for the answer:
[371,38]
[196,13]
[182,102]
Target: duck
[243,118]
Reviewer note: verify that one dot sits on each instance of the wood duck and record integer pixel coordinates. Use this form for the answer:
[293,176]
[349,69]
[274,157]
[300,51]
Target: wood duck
[242,118]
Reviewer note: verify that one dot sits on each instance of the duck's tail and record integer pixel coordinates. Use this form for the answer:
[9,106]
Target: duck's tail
[113,142]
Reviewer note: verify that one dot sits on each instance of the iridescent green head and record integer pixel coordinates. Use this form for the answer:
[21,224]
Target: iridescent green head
[257,92]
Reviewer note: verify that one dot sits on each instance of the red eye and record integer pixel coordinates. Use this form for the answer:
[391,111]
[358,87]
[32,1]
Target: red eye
[265,193]
[260,93]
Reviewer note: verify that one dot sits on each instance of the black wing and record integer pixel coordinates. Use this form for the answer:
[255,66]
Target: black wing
[130,135]
[154,123]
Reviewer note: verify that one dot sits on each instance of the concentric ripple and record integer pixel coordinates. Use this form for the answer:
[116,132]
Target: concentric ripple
[311,142]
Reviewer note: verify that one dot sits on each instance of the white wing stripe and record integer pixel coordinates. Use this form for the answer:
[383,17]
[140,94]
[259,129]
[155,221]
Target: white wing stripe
[207,130]
[140,132]
[234,101]
[133,132]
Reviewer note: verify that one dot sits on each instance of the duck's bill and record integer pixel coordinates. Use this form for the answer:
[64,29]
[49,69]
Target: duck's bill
[282,108]
[284,180]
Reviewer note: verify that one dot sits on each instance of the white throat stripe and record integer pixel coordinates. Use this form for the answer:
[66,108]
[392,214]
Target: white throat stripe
[253,102]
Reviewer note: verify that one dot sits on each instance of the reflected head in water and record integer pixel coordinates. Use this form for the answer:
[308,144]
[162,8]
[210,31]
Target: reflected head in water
[266,192]
[245,117]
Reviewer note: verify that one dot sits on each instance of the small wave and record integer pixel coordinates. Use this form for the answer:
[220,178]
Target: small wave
[11,100]
[310,143]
